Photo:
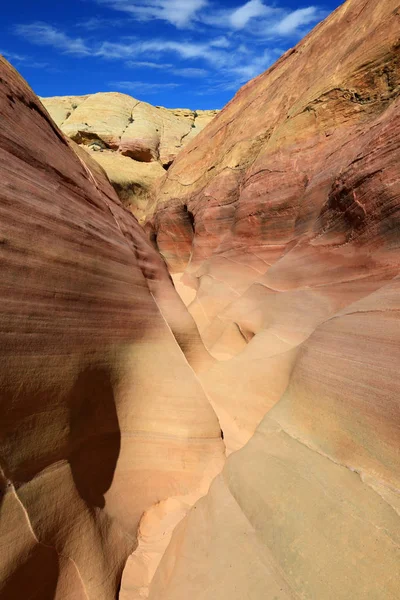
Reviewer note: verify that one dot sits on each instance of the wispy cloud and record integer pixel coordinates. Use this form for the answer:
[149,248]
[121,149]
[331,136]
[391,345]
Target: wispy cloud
[221,42]
[185,50]
[216,58]
[169,67]
[190,72]
[142,87]
[177,12]
[242,15]
[228,46]
[13,56]
[298,18]
[148,65]
[22,60]
[257,65]
[234,66]
[43,34]
[259,17]
[97,23]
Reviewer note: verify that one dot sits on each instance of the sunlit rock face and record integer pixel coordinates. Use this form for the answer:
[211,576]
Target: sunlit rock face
[133,141]
[284,210]
[102,416]
[281,225]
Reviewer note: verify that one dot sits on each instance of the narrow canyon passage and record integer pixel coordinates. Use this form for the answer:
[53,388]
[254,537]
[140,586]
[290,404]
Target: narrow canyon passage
[204,403]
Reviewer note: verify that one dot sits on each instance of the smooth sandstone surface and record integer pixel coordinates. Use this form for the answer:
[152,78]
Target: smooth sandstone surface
[132,180]
[112,126]
[102,414]
[284,209]
[280,223]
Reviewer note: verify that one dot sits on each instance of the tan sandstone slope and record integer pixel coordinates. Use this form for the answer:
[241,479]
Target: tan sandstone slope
[280,224]
[132,140]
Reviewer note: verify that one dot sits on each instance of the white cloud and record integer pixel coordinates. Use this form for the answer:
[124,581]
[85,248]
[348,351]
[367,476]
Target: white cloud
[184,49]
[190,72]
[148,64]
[13,56]
[256,66]
[141,87]
[242,15]
[93,23]
[177,12]
[23,61]
[96,23]
[221,42]
[234,63]
[159,47]
[254,17]
[297,19]
[182,72]
[245,44]
[43,34]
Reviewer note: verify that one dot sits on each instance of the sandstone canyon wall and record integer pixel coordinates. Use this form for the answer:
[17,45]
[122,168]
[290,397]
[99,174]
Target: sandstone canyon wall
[133,141]
[102,417]
[280,226]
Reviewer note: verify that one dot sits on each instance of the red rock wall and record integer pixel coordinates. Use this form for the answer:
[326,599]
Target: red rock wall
[294,263]
[293,193]
[101,415]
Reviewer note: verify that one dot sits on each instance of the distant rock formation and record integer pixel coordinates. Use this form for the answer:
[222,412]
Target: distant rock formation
[113,126]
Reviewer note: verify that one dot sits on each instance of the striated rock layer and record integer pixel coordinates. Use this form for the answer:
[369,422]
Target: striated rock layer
[102,416]
[133,141]
[281,225]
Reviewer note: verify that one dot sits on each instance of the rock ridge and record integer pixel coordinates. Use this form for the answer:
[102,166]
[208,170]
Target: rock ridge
[113,127]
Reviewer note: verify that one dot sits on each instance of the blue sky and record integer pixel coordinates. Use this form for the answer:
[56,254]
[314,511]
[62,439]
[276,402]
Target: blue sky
[175,53]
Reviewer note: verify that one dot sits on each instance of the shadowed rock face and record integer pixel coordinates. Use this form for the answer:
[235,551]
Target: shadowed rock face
[290,267]
[101,415]
[133,141]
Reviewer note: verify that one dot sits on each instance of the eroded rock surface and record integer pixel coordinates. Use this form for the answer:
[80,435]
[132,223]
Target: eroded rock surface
[102,415]
[284,209]
[281,224]
[112,126]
